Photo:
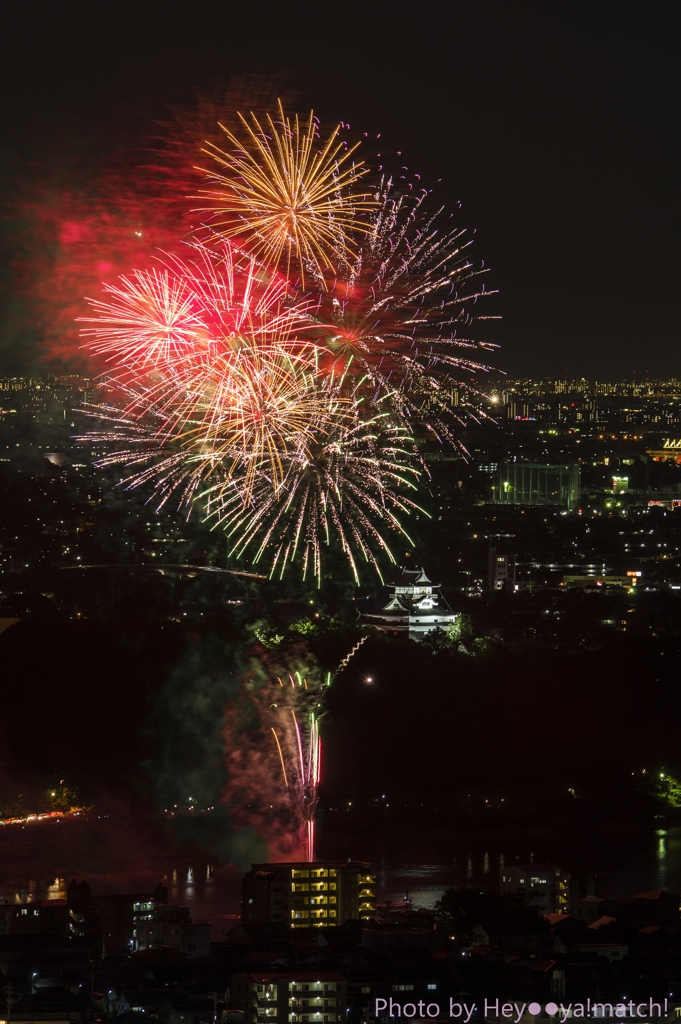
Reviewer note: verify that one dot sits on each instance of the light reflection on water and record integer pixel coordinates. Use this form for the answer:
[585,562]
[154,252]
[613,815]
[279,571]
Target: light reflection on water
[651,863]
[213,892]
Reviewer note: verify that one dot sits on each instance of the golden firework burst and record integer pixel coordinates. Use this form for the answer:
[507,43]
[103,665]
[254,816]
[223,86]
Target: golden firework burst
[289,195]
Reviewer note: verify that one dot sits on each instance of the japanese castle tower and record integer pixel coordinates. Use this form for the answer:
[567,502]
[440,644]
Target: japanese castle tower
[415,607]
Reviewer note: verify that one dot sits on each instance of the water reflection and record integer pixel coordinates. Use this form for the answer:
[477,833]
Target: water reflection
[662,877]
[213,893]
[649,862]
[57,891]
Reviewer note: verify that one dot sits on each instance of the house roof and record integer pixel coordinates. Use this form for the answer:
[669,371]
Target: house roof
[654,894]
[601,921]
[544,967]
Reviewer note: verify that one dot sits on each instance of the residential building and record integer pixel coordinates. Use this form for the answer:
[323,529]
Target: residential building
[589,908]
[122,913]
[501,573]
[39,917]
[546,886]
[320,894]
[513,938]
[178,1008]
[290,998]
[172,928]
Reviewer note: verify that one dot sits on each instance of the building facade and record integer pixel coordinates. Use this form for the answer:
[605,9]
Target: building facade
[308,895]
[290,998]
[173,928]
[35,918]
[547,887]
[669,451]
[501,569]
[121,915]
[415,608]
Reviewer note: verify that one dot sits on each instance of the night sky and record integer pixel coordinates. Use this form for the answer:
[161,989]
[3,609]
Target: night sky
[555,125]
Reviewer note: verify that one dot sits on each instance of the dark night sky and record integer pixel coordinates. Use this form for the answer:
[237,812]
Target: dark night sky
[554,123]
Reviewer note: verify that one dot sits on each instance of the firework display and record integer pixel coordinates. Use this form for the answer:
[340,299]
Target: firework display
[193,310]
[275,769]
[300,748]
[271,379]
[289,200]
[400,310]
[356,478]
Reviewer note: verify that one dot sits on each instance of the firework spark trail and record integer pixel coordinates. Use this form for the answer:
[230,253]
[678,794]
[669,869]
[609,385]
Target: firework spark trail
[299,744]
[353,479]
[242,420]
[214,370]
[275,785]
[212,303]
[289,201]
[401,312]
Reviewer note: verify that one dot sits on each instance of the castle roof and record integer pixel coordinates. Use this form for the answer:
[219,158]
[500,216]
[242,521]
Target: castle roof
[413,578]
